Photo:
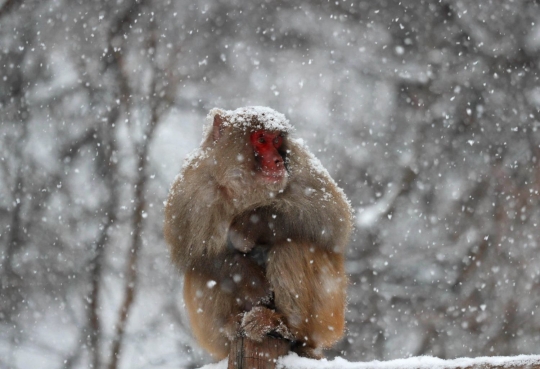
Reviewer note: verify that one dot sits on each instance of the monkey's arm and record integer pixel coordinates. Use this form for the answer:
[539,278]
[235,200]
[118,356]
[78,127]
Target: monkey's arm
[312,207]
[196,220]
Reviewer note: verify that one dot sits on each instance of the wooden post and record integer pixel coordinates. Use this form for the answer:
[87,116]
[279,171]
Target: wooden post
[248,354]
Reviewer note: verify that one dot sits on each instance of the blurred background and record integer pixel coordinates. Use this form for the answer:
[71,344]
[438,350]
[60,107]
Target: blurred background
[425,112]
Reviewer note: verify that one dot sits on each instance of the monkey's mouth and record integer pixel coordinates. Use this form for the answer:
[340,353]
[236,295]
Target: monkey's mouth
[274,176]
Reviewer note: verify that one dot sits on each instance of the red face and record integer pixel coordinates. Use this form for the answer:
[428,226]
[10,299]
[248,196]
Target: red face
[266,145]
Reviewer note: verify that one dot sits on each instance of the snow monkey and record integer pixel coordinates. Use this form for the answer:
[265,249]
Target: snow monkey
[259,230]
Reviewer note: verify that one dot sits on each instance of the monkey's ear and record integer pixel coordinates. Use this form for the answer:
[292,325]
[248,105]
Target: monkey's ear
[217,129]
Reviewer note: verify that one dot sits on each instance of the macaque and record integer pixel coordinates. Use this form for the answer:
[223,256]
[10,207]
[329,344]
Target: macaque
[259,230]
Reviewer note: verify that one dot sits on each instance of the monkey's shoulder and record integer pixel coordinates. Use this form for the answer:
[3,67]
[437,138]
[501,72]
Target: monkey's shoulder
[310,177]
[311,190]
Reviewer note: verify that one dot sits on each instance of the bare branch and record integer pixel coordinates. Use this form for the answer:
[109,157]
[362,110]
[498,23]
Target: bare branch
[8,6]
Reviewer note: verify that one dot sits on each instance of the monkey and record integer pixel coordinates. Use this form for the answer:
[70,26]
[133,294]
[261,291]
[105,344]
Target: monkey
[259,229]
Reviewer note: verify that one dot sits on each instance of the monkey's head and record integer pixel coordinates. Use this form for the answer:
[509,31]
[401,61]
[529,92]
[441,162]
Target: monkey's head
[250,147]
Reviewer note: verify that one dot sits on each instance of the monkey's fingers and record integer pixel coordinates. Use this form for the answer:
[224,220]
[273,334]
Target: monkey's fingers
[261,321]
[231,328]
[283,331]
[256,323]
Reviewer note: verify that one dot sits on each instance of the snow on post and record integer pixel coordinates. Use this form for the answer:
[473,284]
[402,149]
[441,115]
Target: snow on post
[293,361]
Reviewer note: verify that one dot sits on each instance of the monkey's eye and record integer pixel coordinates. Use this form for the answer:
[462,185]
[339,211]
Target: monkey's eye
[278,141]
[261,139]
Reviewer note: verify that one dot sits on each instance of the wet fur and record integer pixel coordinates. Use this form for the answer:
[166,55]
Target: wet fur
[276,245]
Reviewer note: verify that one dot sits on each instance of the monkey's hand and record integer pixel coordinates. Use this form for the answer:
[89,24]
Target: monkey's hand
[261,321]
[240,241]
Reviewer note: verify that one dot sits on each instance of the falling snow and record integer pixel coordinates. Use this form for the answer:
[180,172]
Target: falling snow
[426,114]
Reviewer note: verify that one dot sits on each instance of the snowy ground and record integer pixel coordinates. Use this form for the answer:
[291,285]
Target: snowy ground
[293,361]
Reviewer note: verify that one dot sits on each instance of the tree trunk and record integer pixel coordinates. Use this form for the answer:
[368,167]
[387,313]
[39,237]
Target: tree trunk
[248,354]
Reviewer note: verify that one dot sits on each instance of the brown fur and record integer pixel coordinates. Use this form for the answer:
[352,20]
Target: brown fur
[244,243]
[261,321]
